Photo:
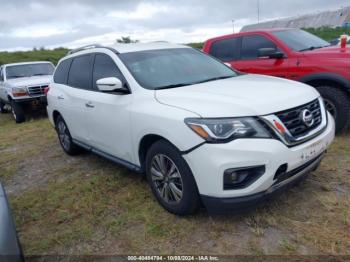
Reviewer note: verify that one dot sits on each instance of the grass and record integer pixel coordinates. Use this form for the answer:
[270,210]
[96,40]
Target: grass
[88,205]
[34,55]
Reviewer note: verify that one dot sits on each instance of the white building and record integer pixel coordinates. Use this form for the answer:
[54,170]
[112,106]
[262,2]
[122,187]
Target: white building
[333,18]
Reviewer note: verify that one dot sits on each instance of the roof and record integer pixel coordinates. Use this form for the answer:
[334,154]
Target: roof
[248,32]
[26,63]
[134,47]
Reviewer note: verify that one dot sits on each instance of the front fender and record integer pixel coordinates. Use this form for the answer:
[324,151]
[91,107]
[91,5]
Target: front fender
[339,79]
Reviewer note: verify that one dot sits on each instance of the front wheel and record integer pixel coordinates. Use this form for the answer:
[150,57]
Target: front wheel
[171,179]
[337,103]
[17,112]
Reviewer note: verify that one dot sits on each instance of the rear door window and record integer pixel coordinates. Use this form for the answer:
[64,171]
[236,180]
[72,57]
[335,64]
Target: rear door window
[252,43]
[80,72]
[61,73]
[226,49]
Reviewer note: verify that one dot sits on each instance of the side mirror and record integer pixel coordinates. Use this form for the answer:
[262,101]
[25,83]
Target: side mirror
[270,53]
[109,84]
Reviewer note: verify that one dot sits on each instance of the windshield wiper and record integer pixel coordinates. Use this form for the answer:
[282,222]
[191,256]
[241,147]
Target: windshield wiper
[193,83]
[312,48]
[172,86]
[39,74]
[213,79]
[9,77]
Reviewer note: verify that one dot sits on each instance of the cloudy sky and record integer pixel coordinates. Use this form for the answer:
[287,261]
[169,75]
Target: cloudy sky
[25,24]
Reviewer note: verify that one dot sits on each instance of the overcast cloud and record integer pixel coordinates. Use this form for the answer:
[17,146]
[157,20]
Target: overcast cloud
[25,24]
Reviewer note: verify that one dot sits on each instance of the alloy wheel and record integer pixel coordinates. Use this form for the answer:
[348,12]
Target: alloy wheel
[63,135]
[166,179]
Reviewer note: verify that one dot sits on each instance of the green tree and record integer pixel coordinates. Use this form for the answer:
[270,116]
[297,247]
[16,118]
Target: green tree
[126,40]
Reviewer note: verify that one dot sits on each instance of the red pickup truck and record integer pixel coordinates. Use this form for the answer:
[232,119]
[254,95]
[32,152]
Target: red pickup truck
[293,54]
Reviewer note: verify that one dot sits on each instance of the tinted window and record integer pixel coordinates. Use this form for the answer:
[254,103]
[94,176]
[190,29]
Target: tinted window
[61,73]
[171,68]
[29,70]
[80,72]
[105,67]
[226,50]
[251,45]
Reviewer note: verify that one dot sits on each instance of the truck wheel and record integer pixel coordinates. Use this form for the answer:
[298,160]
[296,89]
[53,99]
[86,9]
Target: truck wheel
[17,112]
[171,179]
[2,108]
[338,104]
[65,138]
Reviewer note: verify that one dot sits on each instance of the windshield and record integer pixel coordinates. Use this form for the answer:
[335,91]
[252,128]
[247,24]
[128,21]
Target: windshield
[29,70]
[299,40]
[169,68]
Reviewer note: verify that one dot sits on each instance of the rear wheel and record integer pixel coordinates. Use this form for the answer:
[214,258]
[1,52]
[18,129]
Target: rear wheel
[171,179]
[65,138]
[17,112]
[337,102]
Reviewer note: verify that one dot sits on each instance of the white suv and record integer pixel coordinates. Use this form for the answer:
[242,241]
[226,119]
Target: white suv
[201,132]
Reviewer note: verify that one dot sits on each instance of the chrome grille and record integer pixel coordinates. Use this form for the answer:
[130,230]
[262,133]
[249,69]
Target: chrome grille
[37,90]
[293,122]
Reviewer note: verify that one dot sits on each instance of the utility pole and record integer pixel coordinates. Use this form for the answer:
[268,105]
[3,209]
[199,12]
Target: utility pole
[233,26]
[258,3]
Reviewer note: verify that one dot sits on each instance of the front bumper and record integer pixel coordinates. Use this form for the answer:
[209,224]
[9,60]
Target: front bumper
[209,161]
[42,100]
[216,205]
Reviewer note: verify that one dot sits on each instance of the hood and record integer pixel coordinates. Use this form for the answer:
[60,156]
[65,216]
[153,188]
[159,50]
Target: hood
[329,52]
[246,95]
[29,81]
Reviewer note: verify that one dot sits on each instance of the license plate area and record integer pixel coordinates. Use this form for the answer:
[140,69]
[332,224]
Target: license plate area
[313,150]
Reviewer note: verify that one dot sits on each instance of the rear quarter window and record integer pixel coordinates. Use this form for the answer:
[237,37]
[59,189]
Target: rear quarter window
[226,49]
[61,73]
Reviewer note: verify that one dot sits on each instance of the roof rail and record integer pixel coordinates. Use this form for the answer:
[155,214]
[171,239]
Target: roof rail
[83,48]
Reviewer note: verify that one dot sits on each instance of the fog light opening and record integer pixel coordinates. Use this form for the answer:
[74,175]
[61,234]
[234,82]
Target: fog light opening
[235,178]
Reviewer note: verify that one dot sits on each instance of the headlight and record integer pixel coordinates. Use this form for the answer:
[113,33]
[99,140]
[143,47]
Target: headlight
[19,91]
[219,130]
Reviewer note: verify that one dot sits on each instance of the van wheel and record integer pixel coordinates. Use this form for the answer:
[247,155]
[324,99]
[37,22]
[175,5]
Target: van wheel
[65,138]
[338,104]
[17,112]
[2,107]
[171,179]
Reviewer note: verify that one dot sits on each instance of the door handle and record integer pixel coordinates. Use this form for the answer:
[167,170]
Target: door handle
[89,104]
[60,97]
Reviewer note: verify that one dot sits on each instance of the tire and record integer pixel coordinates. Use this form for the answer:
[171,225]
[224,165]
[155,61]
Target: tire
[178,178]
[65,138]
[2,107]
[17,112]
[338,104]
